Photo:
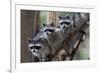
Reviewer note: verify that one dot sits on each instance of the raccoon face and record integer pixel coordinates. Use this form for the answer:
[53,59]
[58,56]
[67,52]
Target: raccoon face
[39,49]
[65,21]
[49,30]
[35,47]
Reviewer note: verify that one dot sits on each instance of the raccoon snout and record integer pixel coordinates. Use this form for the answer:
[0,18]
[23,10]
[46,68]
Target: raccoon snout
[47,33]
[64,26]
[34,50]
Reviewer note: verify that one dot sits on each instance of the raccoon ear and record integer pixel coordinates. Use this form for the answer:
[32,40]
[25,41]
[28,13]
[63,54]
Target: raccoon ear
[67,16]
[29,40]
[59,17]
[52,24]
[44,24]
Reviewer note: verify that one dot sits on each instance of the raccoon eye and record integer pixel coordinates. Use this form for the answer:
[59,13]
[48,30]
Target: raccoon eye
[45,30]
[67,23]
[51,30]
[38,47]
[61,23]
[31,47]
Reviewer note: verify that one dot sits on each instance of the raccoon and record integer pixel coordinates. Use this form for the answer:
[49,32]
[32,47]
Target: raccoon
[67,29]
[66,25]
[53,36]
[39,47]
[75,22]
[74,29]
[56,37]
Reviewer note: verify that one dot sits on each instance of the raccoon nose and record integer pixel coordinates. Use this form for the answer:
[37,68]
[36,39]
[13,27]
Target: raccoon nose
[47,33]
[64,25]
[34,50]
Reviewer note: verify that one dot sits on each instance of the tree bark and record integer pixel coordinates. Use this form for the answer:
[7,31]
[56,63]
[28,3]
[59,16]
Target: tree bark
[52,17]
[36,21]
[29,26]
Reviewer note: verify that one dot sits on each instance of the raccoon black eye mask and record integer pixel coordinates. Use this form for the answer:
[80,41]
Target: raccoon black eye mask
[67,23]
[49,30]
[36,47]
[31,47]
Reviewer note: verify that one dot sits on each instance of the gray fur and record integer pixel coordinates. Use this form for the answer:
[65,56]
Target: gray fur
[44,51]
[66,25]
[54,39]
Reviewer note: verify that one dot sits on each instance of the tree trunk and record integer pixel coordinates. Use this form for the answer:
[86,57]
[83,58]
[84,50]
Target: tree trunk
[36,21]
[52,17]
[29,25]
